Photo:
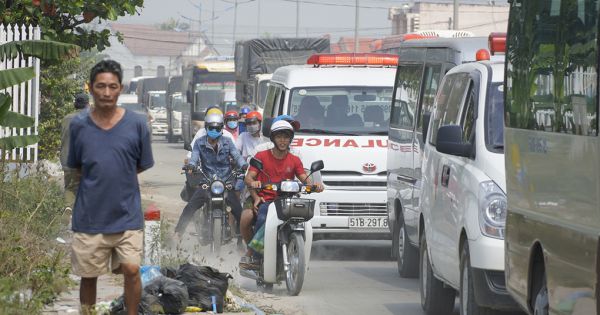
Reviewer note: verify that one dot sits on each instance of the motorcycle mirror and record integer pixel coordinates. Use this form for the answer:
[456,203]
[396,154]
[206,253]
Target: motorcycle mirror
[256,163]
[317,166]
[187,147]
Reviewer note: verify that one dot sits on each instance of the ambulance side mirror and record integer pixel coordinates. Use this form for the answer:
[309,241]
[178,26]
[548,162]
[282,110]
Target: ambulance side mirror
[266,127]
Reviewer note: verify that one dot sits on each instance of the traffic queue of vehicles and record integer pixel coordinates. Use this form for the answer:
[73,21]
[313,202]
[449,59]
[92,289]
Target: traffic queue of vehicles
[417,151]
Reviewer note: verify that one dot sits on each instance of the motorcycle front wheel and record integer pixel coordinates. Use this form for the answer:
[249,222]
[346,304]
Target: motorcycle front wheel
[217,235]
[295,274]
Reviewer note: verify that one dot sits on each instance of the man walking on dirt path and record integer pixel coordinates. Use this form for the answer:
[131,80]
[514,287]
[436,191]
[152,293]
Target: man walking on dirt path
[82,101]
[109,146]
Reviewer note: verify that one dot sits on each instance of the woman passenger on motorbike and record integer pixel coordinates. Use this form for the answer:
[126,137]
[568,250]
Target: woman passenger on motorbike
[280,165]
[232,123]
[215,155]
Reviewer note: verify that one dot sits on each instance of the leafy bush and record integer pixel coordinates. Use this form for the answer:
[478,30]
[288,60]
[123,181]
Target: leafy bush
[33,265]
[59,82]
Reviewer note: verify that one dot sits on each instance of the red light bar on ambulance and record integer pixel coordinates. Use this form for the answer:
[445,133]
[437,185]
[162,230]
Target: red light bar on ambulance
[353,59]
[497,43]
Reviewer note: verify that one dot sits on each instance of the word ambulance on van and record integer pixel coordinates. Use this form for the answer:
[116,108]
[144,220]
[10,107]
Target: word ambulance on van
[342,102]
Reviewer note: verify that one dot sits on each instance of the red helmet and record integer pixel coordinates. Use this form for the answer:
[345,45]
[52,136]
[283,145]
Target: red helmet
[252,116]
[231,115]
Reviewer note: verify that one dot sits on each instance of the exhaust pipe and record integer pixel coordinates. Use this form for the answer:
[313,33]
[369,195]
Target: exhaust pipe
[249,274]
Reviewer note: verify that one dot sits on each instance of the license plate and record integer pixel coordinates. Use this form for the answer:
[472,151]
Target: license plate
[368,222]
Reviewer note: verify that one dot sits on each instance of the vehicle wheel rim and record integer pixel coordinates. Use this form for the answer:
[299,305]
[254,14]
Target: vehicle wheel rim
[401,245]
[292,273]
[424,274]
[464,292]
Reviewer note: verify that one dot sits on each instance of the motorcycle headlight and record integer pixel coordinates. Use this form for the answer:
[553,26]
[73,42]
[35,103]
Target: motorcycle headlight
[217,187]
[492,210]
[290,186]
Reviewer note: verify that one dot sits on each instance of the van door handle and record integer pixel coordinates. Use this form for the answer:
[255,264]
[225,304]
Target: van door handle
[406,179]
[445,175]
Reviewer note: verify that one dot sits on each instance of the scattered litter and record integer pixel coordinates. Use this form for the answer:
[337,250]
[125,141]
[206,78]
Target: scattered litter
[172,294]
[148,273]
[61,240]
[204,282]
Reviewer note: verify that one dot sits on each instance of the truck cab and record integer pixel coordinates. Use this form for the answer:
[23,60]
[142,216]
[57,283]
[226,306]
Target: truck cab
[342,102]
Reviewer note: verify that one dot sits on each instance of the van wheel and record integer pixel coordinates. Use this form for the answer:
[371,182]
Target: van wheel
[468,304]
[435,299]
[540,306]
[407,256]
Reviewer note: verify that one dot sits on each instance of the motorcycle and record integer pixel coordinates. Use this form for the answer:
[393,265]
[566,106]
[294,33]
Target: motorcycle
[288,234]
[215,213]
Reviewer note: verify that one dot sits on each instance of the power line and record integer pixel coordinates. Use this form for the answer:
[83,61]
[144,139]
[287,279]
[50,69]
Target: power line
[334,4]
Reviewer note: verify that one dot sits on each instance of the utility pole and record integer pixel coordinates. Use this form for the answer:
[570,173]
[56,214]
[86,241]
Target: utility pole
[356,44]
[297,17]
[199,24]
[212,24]
[234,25]
[455,17]
[257,20]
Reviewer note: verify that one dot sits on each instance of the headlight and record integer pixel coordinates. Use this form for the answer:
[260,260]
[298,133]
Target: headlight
[217,187]
[492,210]
[289,186]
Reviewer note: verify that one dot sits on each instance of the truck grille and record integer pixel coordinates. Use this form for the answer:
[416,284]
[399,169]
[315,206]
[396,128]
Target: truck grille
[353,209]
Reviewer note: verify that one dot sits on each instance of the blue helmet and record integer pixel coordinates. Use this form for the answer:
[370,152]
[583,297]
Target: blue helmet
[244,110]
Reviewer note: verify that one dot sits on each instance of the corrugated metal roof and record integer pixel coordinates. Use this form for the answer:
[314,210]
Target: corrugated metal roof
[146,40]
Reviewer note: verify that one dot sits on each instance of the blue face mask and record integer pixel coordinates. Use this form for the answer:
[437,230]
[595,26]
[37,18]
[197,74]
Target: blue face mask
[232,124]
[213,134]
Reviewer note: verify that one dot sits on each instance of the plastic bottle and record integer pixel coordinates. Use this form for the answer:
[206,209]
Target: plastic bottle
[148,273]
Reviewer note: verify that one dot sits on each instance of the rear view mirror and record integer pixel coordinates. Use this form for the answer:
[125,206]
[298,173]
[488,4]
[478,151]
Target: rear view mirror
[256,163]
[365,98]
[266,127]
[187,147]
[317,166]
[449,141]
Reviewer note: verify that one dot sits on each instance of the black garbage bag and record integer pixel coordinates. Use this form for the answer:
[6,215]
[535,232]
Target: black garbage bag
[149,305]
[172,294]
[204,282]
[169,272]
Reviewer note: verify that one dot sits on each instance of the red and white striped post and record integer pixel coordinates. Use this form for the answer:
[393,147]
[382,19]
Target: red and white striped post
[152,235]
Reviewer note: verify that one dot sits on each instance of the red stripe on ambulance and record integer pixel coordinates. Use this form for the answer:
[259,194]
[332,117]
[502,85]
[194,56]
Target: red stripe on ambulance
[337,143]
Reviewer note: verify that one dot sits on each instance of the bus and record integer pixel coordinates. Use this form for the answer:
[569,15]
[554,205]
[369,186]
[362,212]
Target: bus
[207,83]
[552,152]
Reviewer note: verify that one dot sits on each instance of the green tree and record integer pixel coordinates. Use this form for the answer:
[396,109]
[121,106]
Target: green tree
[45,50]
[67,20]
[59,83]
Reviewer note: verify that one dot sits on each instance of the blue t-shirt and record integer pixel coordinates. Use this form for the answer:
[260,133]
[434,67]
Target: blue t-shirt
[108,199]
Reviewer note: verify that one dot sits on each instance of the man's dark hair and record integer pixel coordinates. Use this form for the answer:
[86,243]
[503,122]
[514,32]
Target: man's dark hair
[106,66]
[82,101]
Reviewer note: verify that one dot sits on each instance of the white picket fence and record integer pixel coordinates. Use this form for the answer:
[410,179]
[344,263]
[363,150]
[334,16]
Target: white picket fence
[26,96]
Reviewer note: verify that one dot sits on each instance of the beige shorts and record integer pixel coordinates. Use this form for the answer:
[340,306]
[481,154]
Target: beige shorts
[93,254]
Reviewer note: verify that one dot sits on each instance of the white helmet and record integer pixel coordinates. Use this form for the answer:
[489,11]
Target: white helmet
[281,126]
[213,120]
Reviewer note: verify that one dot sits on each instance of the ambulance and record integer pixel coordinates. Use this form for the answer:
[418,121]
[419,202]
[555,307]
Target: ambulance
[342,102]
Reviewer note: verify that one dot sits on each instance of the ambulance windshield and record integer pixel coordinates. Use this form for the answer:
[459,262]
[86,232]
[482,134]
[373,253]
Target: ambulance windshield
[342,110]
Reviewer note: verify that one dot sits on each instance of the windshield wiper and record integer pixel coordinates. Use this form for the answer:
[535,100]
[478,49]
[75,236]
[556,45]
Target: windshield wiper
[498,146]
[326,132]
[381,132]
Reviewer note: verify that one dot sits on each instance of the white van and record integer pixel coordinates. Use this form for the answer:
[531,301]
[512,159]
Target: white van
[342,102]
[464,194]
[421,66]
